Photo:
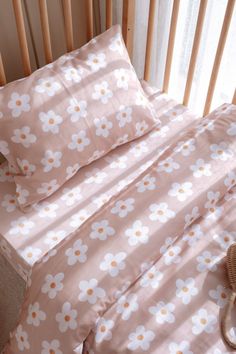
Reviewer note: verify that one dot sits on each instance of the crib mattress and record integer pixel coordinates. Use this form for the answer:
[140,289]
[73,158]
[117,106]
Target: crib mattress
[26,238]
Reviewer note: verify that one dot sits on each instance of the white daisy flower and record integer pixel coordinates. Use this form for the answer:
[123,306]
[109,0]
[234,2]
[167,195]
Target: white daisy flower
[201,169]
[123,207]
[18,104]
[203,322]
[190,218]
[52,238]
[51,121]
[52,285]
[96,61]
[141,128]
[151,278]
[148,183]
[232,129]
[21,194]
[51,159]
[185,290]
[138,233]
[48,187]
[71,170]
[67,318]
[124,115]
[225,239]
[48,255]
[221,295]
[21,338]
[26,167]
[9,202]
[95,176]
[205,124]
[193,234]
[122,77]
[79,218]
[226,108]
[115,161]
[48,86]
[123,184]
[181,191]
[35,315]
[141,338]
[113,264]
[213,198]
[141,100]
[21,226]
[79,141]
[77,253]
[52,347]
[23,136]
[163,312]
[181,348]
[5,174]
[4,147]
[118,293]
[160,131]
[103,330]
[4,247]
[46,209]
[77,109]
[126,305]
[161,212]
[170,252]
[214,213]
[168,165]
[138,148]
[221,151]
[207,262]
[90,292]
[31,254]
[231,194]
[102,92]
[72,73]
[71,195]
[230,180]
[103,126]
[185,147]
[116,44]
[175,114]
[101,230]
[101,200]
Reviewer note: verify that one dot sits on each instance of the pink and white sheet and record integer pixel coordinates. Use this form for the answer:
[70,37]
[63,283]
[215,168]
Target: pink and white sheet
[144,271]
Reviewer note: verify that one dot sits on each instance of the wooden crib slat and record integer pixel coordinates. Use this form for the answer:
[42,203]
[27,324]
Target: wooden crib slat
[170,49]
[150,33]
[68,25]
[195,48]
[22,36]
[219,54]
[3,79]
[234,98]
[89,4]
[108,13]
[45,30]
[128,24]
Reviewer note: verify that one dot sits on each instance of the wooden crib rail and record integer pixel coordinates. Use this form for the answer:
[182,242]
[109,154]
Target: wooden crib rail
[128,19]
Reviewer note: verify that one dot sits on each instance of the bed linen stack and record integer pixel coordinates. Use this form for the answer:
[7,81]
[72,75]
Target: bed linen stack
[142,268]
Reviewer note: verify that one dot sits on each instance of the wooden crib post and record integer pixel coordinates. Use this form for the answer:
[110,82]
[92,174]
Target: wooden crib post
[219,54]
[68,25]
[234,97]
[108,13]
[3,80]
[45,30]
[17,6]
[150,32]
[170,49]
[128,24]
[89,4]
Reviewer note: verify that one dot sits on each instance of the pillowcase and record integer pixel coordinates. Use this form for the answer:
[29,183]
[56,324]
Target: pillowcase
[69,113]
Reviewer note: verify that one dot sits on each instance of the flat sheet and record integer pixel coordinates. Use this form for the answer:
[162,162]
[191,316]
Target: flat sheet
[145,273]
[26,238]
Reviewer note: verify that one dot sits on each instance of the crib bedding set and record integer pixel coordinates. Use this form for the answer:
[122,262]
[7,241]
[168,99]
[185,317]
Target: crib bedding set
[117,209]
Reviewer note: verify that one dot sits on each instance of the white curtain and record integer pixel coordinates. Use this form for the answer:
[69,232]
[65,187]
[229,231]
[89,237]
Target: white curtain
[187,19]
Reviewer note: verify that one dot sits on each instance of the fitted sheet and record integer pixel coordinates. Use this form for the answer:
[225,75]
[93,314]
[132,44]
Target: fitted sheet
[150,272]
[26,238]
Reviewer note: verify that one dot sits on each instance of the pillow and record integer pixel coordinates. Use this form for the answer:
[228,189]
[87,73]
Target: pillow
[69,113]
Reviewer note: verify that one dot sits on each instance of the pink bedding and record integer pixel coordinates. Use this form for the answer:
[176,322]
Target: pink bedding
[145,272]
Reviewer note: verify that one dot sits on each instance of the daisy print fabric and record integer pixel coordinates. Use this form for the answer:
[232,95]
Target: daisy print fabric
[70,113]
[145,273]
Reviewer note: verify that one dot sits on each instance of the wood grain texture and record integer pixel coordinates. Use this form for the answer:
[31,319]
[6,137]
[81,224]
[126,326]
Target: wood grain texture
[218,56]
[108,13]
[45,30]
[68,25]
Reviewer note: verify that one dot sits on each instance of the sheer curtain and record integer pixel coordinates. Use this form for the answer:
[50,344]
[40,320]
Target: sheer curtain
[187,19]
